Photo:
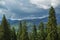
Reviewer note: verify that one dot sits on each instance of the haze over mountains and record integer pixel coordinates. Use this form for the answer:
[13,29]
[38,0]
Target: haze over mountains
[35,20]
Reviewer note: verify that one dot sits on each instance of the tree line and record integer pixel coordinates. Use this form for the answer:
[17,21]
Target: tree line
[48,32]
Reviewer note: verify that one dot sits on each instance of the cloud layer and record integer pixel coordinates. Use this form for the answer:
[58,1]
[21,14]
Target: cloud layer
[19,9]
[45,4]
[30,17]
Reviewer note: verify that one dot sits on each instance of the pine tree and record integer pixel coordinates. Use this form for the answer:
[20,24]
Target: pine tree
[1,32]
[6,29]
[30,36]
[24,35]
[14,36]
[41,32]
[52,25]
[19,31]
[34,34]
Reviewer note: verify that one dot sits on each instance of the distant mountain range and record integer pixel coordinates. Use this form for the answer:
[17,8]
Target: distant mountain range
[15,23]
[35,21]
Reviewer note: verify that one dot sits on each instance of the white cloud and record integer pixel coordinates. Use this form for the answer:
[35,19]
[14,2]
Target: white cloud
[45,4]
[55,3]
[2,2]
[30,17]
[17,7]
[8,13]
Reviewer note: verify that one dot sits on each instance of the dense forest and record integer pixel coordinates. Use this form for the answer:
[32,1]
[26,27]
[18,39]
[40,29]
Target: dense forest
[48,31]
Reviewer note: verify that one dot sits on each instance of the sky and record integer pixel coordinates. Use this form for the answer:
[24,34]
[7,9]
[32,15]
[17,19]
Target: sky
[27,9]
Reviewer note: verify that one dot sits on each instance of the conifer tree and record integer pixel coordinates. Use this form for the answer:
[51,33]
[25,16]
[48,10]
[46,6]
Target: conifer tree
[52,25]
[41,32]
[14,36]
[1,32]
[19,31]
[24,35]
[34,34]
[59,32]
[6,29]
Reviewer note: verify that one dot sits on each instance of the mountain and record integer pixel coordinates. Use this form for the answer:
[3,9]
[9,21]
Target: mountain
[15,23]
[35,21]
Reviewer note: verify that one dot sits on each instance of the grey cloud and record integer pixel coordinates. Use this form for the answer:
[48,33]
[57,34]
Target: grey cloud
[22,8]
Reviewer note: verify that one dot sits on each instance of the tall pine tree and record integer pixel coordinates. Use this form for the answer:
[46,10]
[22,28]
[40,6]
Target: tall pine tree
[34,33]
[41,35]
[52,25]
[24,35]
[6,27]
[14,36]
[1,32]
[19,31]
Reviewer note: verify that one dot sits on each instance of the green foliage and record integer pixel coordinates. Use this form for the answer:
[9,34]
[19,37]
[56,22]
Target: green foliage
[6,29]
[41,35]
[14,36]
[23,31]
[52,25]
[1,32]
[19,31]
[34,34]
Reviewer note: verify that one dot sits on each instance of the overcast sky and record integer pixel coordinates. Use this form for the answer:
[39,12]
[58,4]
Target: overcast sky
[22,9]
